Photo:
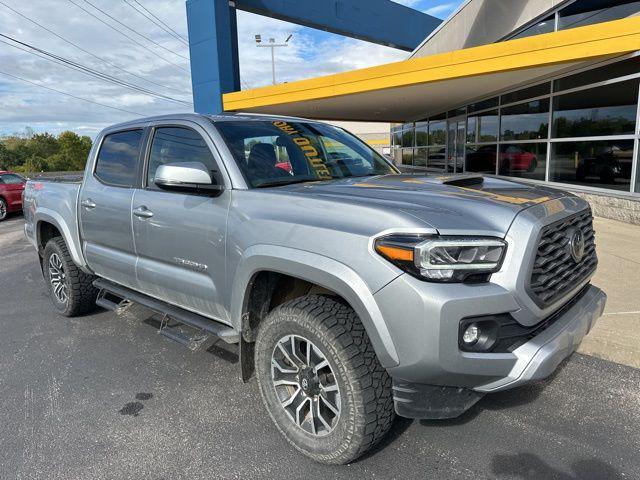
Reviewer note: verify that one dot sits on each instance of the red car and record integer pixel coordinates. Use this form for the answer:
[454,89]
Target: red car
[11,188]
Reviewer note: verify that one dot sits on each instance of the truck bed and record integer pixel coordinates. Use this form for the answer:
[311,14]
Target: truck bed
[56,202]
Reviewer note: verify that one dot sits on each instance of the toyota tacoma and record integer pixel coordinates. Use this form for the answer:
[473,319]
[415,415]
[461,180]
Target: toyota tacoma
[353,292]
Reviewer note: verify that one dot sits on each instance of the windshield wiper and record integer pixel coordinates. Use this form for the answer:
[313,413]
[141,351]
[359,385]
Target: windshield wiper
[283,181]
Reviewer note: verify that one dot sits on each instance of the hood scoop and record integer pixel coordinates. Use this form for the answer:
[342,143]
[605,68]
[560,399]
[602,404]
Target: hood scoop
[460,180]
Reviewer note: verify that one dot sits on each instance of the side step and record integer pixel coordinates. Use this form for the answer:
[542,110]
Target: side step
[124,296]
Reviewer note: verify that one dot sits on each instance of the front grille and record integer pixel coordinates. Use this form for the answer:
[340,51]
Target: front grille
[555,273]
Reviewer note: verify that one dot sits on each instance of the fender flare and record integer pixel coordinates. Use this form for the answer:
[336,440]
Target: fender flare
[325,272]
[55,219]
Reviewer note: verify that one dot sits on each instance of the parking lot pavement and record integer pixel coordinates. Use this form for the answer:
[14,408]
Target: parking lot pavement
[616,336]
[102,397]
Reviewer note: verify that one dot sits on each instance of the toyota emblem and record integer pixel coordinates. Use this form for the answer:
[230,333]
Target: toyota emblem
[576,244]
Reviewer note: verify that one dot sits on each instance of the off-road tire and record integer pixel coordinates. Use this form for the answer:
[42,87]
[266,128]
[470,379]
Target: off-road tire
[81,298]
[366,398]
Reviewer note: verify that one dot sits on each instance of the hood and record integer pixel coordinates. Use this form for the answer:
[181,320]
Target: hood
[452,204]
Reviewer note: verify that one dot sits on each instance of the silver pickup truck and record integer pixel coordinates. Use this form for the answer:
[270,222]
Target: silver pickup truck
[353,291]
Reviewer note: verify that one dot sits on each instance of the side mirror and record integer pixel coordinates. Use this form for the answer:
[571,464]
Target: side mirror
[185,176]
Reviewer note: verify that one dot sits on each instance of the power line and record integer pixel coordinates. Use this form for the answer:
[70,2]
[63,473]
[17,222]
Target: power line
[89,71]
[136,32]
[155,20]
[87,51]
[69,94]
[128,37]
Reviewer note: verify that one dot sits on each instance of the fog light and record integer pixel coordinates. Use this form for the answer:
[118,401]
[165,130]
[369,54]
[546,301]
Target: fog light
[471,334]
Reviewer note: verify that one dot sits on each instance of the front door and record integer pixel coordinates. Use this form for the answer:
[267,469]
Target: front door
[180,237]
[456,135]
[105,207]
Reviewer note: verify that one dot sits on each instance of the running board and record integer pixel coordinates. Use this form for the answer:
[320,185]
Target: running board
[108,290]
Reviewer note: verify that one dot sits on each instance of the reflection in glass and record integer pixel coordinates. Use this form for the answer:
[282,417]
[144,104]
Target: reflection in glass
[407,156]
[397,137]
[422,135]
[607,110]
[483,127]
[605,164]
[526,121]
[437,132]
[420,157]
[595,11]
[437,159]
[526,160]
[529,92]
[543,26]
[407,135]
[481,158]
[612,70]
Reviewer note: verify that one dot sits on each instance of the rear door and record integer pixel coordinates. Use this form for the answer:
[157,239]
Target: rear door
[105,206]
[180,237]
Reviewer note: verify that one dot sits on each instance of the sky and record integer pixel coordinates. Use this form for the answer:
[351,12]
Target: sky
[152,58]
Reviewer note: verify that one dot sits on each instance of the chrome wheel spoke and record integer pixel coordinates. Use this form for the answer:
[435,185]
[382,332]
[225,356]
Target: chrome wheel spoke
[329,405]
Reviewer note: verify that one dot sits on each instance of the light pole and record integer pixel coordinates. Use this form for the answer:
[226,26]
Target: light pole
[272,45]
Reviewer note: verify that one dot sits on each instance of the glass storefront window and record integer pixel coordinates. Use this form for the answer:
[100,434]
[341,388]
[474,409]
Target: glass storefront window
[526,160]
[545,25]
[422,134]
[483,105]
[408,136]
[607,110]
[526,121]
[420,157]
[407,156]
[437,132]
[612,70]
[595,11]
[483,127]
[436,158]
[397,136]
[481,158]
[531,92]
[604,164]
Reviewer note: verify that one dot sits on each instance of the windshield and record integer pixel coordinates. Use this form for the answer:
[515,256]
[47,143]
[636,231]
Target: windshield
[272,153]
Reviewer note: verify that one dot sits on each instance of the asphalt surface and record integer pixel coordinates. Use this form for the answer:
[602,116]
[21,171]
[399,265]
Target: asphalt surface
[106,397]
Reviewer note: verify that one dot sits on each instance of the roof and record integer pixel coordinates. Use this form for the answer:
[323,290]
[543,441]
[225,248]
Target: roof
[408,89]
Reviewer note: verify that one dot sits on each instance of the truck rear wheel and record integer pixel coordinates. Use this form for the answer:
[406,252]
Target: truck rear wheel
[320,379]
[71,290]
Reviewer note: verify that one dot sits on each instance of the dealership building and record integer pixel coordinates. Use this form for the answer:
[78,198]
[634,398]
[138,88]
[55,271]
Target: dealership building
[540,90]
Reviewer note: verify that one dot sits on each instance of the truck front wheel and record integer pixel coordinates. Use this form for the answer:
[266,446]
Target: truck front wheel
[71,290]
[320,379]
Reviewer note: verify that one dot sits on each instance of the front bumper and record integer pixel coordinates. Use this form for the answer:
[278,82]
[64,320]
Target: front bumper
[424,318]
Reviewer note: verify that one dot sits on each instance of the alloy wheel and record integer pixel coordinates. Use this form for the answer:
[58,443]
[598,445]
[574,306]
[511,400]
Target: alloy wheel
[58,278]
[305,384]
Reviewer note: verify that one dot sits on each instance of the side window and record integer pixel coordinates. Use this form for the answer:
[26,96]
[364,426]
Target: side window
[118,158]
[176,145]
[11,179]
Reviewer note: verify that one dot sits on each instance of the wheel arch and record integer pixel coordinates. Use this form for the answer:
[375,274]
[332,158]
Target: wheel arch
[48,222]
[323,274]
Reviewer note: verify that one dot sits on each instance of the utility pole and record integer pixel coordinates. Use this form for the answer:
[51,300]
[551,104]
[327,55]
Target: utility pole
[272,45]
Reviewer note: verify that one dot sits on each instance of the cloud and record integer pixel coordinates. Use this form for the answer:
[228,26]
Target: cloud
[442,9]
[310,53]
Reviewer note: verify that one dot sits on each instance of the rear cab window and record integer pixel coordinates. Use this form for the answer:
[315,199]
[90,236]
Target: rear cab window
[118,158]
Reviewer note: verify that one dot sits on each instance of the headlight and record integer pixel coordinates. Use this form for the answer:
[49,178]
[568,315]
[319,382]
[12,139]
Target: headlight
[444,259]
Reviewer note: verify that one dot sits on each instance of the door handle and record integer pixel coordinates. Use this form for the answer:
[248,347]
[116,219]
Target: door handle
[88,204]
[143,212]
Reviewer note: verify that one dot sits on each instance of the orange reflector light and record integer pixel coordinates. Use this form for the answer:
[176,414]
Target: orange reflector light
[395,253]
